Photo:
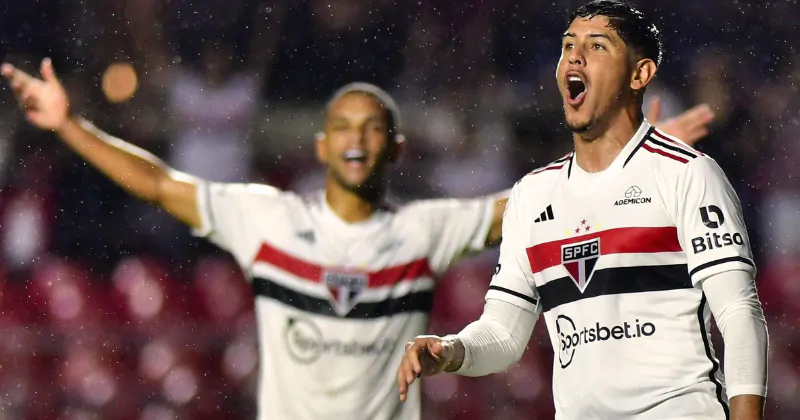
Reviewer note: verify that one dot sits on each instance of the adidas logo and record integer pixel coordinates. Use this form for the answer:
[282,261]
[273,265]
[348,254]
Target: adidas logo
[307,236]
[546,215]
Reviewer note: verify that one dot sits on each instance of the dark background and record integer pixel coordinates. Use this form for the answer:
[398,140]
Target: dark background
[112,310]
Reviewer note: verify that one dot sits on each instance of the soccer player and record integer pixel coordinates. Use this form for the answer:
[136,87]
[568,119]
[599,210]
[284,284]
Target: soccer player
[341,278]
[627,245]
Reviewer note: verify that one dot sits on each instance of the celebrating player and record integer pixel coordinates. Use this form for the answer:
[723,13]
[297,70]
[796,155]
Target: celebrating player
[341,279]
[627,245]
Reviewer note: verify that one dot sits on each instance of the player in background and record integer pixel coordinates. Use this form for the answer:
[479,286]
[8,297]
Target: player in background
[628,245]
[342,278]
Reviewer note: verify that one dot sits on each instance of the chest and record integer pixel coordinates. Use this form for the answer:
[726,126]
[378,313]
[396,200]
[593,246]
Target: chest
[573,233]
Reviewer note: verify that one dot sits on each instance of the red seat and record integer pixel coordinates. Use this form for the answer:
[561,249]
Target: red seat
[148,300]
[453,397]
[460,297]
[238,363]
[220,290]
[62,296]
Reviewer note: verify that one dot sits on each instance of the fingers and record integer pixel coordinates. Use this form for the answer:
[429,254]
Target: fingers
[406,373]
[412,356]
[655,110]
[48,73]
[700,115]
[692,125]
[444,352]
[19,81]
[419,360]
[14,75]
[6,69]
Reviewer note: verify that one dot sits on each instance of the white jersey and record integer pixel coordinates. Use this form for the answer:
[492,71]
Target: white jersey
[335,301]
[616,261]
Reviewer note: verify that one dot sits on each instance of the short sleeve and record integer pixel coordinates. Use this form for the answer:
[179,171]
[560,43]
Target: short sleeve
[230,214]
[513,280]
[457,227]
[710,224]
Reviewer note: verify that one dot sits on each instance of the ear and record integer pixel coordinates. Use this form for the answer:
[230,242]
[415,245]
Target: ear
[643,72]
[398,148]
[319,145]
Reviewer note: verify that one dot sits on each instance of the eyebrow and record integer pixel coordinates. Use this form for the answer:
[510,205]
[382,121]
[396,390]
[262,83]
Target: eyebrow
[591,35]
[343,119]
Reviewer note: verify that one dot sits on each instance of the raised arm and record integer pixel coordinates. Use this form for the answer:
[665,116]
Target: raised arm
[690,126]
[46,106]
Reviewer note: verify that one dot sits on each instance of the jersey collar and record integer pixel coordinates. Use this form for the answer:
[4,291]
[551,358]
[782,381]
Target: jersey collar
[624,155]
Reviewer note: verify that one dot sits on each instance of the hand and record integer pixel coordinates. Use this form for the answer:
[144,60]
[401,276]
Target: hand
[44,100]
[691,126]
[427,355]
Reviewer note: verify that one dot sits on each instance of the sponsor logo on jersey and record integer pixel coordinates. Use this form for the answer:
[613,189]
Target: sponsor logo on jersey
[633,195]
[307,236]
[305,343]
[706,216]
[715,241]
[345,288]
[713,218]
[579,259]
[571,336]
[546,215]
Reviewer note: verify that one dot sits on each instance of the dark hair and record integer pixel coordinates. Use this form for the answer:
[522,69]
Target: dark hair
[635,29]
[386,100]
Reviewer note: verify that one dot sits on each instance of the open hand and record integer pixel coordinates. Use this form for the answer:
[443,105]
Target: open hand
[427,355]
[44,100]
[690,126]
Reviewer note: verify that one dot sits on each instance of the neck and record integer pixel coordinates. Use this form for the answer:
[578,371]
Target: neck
[349,205]
[594,152]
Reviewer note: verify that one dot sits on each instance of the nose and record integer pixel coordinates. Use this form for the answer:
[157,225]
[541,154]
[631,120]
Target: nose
[356,136]
[575,56]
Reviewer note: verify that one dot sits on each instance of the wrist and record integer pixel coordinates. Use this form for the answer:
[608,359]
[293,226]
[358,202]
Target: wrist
[70,121]
[458,353]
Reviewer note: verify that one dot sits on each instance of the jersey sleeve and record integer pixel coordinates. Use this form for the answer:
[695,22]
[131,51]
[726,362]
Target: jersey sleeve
[457,228]
[711,227]
[229,212]
[513,280]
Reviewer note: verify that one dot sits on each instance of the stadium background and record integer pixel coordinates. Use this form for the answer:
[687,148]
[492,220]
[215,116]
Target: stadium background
[108,309]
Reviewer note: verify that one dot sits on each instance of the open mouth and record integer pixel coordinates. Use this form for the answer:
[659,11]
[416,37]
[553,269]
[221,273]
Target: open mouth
[355,156]
[576,89]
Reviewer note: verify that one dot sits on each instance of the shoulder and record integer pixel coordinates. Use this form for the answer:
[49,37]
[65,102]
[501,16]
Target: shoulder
[658,150]
[550,170]
[442,205]
[541,179]
[254,194]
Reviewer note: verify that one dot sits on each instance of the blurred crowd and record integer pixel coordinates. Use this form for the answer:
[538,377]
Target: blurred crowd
[112,310]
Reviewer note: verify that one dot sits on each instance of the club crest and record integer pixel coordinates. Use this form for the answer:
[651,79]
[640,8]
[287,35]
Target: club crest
[580,259]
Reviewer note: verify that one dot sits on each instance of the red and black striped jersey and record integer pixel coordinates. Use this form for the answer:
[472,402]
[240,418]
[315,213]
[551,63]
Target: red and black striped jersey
[337,301]
[615,261]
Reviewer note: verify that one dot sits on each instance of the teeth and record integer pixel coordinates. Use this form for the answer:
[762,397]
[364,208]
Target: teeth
[354,154]
[574,79]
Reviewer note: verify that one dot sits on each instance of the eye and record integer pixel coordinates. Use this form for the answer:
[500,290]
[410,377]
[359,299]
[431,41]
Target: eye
[598,47]
[338,127]
[376,127]
[569,46]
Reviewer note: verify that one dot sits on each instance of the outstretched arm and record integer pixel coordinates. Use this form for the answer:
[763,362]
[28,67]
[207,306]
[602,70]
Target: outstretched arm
[496,230]
[46,106]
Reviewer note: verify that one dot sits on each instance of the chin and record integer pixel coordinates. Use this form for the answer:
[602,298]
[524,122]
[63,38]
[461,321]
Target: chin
[577,126]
